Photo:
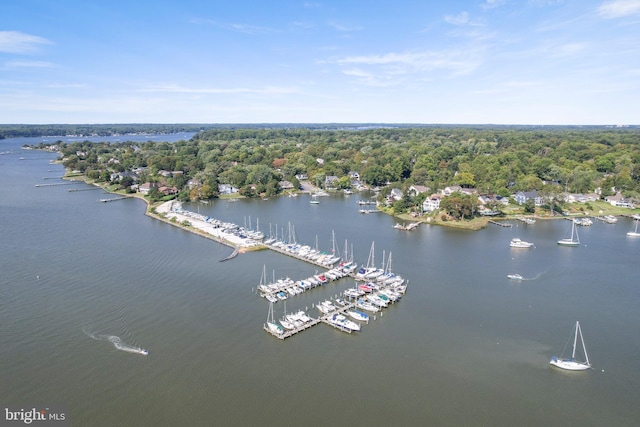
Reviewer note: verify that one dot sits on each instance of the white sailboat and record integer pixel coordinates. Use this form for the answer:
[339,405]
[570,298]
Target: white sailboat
[574,240]
[274,328]
[572,364]
[634,233]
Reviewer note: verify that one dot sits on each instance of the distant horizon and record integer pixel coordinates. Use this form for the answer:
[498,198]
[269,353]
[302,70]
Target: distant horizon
[520,63]
[302,124]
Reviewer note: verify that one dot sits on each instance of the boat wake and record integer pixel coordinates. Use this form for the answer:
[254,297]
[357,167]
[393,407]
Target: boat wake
[117,342]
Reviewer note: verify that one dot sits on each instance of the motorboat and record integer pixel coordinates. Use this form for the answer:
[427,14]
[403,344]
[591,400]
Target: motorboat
[515,276]
[517,243]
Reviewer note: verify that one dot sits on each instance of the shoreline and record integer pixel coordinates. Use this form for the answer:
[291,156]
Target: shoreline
[475,224]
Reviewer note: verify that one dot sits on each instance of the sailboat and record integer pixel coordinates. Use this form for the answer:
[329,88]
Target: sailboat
[574,240]
[273,327]
[634,233]
[572,364]
[314,200]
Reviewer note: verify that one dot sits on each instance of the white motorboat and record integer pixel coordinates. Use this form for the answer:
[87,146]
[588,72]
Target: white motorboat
[515,276]
[358,315]
[517,243]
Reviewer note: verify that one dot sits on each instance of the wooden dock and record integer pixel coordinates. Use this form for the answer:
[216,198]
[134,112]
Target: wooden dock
[84,189]
[314,321]
[55,184]
[501,224]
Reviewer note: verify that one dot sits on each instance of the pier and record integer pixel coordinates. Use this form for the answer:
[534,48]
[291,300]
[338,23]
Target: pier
[113,199]
[501,224]
[233,255]
[84,189]
[368,211]
[55,184]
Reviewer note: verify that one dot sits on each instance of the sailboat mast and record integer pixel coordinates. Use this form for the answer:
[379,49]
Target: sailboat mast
[575,341]
[584,347]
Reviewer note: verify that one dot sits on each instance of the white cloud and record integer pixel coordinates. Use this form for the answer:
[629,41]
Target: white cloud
[17,42]
[173,88]
[239,28]
[344,28]
[459,19]
[491,4]
[460,62]
[619,8]
[28,64]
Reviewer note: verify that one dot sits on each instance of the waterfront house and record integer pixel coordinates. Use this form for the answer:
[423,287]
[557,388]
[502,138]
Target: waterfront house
[432,202]
[146,187]
[227,189]
[619,201]
[522,197]
[168,190]
[331,181]
[353,175]
[575,198]
[285,185]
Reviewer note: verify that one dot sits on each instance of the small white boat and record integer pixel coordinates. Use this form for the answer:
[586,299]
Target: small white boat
[515,276]
[358,315]
[517,243]
[343,322]
[572,364]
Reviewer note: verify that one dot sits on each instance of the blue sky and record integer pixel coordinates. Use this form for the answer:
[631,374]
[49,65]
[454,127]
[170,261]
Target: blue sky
[467,61]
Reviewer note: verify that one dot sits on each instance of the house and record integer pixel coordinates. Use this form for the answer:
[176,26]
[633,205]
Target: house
[394,195]
[227,189]
[331,181]
[432,202]
[485,199]
[414,190]
[469,191]
[146,187]
[522,197]
[354,175]
[619,201]
[119,176]
[302,177]
[285,185]
[575,198]
[193,183]
[450,190]
[168,190]
[165,173]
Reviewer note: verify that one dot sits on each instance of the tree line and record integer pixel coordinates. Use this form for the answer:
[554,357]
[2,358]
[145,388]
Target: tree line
[494,160]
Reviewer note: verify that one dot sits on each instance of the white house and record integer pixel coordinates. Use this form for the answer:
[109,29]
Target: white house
[227,189]
[432,202]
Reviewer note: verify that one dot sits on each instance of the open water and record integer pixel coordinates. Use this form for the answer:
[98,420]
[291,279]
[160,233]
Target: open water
[84,284]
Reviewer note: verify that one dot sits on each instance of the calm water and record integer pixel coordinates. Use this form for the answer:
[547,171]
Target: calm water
[465,346]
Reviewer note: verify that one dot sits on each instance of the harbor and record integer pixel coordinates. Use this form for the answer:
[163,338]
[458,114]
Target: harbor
[375,287]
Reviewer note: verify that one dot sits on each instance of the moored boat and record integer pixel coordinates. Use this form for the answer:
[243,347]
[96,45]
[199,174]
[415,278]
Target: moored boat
[517,243]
